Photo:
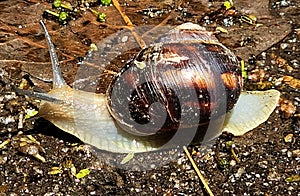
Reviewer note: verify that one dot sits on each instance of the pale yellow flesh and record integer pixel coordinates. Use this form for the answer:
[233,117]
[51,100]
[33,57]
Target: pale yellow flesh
[89,119]
[252,109]
[86,116]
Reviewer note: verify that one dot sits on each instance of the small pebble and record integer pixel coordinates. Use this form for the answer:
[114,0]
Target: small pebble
[288,138]
[124,39]
[283,46]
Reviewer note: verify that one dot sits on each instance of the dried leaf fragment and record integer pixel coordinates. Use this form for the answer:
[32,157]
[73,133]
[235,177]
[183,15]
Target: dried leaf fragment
[288,138]
[55,170]
[291,81]
[29,146]
[281,62]
[287,107]
[127,158]
[293,178]
[4,143]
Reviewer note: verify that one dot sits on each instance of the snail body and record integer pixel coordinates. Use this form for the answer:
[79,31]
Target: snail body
[171,89]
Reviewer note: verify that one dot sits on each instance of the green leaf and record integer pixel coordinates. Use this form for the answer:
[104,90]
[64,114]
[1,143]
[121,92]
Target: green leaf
[82,173]
[106,2]
[30,113]
[228,4]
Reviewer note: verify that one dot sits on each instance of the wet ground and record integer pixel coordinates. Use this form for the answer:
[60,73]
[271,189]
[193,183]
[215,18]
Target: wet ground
[268,156]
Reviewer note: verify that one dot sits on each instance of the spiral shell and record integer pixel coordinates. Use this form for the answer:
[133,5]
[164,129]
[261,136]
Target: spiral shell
[186,80]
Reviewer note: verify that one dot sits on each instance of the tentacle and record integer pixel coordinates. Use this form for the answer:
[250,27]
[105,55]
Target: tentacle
[58,80]
[42,96]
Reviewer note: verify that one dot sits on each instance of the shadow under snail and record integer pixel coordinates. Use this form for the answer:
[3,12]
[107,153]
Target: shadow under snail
[184,88]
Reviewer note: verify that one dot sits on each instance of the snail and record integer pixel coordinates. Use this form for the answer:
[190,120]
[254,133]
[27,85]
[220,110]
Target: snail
[186,86]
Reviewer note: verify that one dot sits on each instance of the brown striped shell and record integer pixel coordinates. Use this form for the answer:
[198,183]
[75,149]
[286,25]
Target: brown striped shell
[186,80]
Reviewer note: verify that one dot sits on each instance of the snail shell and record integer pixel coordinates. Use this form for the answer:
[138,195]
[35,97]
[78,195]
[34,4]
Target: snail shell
[186,81]
[192,76]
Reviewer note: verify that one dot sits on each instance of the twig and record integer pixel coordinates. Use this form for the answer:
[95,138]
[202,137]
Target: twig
[198,171]
[129,24]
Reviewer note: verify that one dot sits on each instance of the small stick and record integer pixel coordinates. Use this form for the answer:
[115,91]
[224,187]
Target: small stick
[198,171]
[124,16]
[129,24]
[96,66]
